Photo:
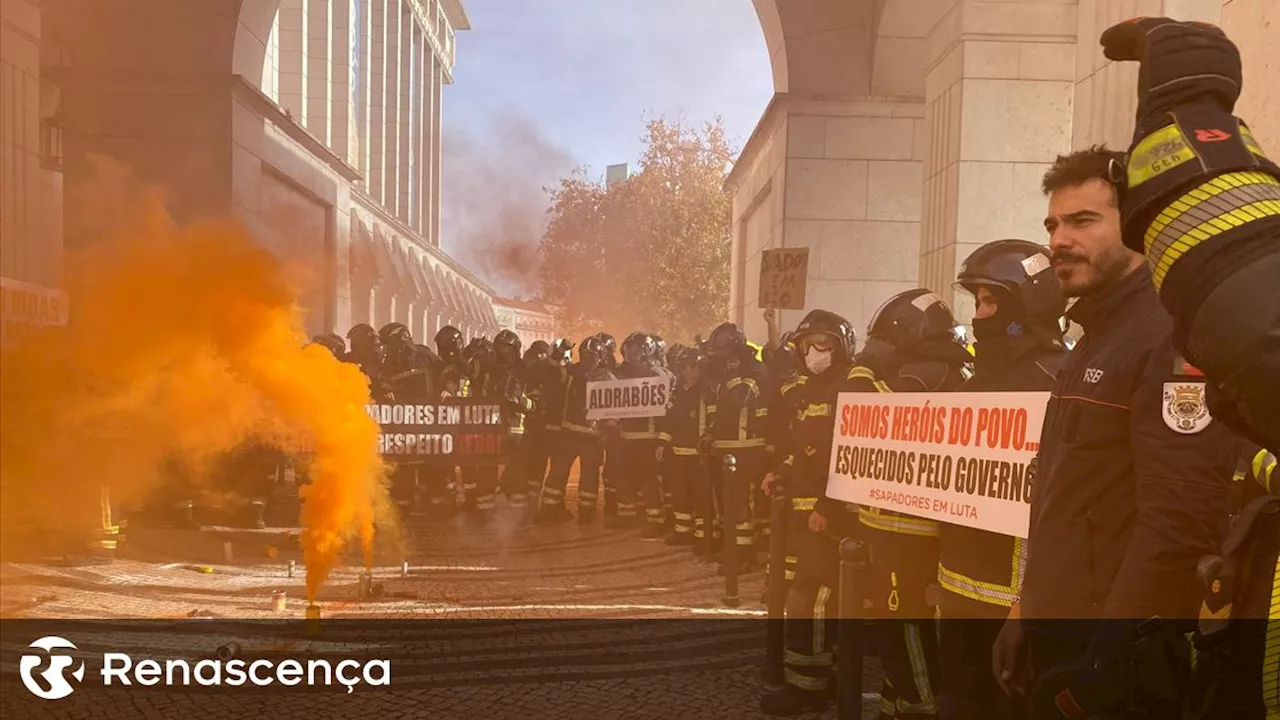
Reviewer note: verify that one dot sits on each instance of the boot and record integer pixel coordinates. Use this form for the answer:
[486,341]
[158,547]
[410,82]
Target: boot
[553,515]
[791,700]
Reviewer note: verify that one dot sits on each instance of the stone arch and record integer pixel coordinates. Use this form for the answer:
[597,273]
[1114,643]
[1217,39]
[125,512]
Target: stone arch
[252,33]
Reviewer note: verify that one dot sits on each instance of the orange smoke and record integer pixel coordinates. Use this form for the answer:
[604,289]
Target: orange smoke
[184,341]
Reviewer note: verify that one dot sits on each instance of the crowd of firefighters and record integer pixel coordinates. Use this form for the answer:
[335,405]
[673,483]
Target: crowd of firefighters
[1134,490]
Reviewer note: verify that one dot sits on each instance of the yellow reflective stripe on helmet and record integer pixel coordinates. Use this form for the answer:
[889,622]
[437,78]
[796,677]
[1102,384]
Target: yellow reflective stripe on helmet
[1220,204]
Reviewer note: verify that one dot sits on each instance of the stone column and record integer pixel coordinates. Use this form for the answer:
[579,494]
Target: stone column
[364,65]
[405,126]
[294,30]
[341,106]
[391,117]
[998,103]
[437,83]
[377,98]
[319,69]
[422,50]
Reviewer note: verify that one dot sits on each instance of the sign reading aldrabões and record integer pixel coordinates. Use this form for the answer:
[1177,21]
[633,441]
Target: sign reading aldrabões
[633,398]
[455,431]
[962,458]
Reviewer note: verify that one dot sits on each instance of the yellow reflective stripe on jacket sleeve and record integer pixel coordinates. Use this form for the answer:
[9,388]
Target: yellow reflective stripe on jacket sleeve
[1264,465]
[894,523]
[859,372]
[804,503]
[818,410]
[684,452]
[749,382]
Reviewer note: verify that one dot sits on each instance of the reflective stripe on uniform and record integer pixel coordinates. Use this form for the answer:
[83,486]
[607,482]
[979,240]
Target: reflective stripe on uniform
[684,452]
[822,410]
[901,524]
[1271,653]
[803,504]
[988,592]
[1264,464]
[791,657]
[1223,203]
[919,672]
[863,373]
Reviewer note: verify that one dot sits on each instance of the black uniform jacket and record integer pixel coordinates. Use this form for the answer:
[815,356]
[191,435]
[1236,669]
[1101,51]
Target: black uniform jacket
[1133,478]
[981,572]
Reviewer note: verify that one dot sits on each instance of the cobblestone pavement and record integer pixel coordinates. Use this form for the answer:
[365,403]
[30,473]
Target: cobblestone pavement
[626,627]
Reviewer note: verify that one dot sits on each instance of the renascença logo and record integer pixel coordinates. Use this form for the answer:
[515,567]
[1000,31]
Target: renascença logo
[120,668]
[54,675]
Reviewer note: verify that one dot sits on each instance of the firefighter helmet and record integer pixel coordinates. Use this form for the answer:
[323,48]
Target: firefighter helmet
[1022,270]
[910,318]
[828,324]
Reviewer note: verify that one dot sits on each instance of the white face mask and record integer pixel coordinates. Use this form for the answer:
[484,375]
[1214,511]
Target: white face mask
[818,360]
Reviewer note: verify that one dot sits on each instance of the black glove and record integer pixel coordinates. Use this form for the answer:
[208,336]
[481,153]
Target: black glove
[1081,689]
[1182,63]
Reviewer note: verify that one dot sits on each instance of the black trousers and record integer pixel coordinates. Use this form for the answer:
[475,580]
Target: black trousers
[535,454]
[682,475]
[588,451]
[969,690]
[637,480]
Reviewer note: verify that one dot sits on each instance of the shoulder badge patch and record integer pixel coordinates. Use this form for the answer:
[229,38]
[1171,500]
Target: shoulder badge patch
[1184,407]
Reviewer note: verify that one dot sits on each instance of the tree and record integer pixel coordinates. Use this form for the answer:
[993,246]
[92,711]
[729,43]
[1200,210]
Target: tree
[648,253]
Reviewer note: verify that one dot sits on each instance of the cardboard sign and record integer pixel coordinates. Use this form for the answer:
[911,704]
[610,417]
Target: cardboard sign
[454,431]
[635,398]
[25,308]
[962,458]
[783,274]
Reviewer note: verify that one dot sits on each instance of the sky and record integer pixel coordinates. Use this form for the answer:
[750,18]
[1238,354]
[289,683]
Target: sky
[544,86]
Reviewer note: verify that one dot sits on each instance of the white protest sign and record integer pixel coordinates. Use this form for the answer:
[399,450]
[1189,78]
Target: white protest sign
[962,458]
[25,308]
[634,398]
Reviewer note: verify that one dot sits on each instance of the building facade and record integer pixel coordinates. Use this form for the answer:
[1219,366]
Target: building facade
[30,178]
[903,134]
[315,122]
[530,320]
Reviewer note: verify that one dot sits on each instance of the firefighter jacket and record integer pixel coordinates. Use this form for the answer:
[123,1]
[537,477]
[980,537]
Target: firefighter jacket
[784,402]
[806,465]
[644,428]
[980,572]
[372,367]
[575,399]
[451,378]
[505,383]
[741,406]
[687,420]
[548,385]
[411,375]
[1133,474]
[931,368]
[1254,477]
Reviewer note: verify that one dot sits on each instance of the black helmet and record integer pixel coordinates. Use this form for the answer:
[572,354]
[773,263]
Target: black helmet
[638,348]
[393,333]
[1023,271]
[673,354]
[687,357]
[911,318]
[562,351]
[822,322]
[592,347]
[726,339]
[448,340]
[507,344]
[362,331]
[331,342]
[608,349]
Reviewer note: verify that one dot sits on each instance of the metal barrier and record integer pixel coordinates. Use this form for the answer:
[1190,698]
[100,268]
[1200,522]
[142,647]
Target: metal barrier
[779,520]
[855,562]
[729,529]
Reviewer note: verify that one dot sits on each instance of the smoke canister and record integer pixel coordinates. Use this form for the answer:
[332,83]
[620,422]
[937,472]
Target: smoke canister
[365,588]
[279,600]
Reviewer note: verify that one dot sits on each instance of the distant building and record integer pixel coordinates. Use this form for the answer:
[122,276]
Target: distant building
[526,318]
[616,173]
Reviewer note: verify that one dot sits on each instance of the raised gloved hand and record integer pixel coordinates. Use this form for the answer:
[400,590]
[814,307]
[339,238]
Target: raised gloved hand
[1181,63]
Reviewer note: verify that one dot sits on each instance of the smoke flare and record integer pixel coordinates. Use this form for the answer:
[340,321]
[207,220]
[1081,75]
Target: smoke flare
[183,342]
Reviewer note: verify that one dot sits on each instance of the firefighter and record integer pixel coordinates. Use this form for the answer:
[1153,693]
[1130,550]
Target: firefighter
[637,481]
[827,344]
[784,388]
[552,379]
[410,370]
[684,463]
[366,353]
[1133,473]
[533,449]
[332,342]
[1017,325]
[912,346]
[1202,201]
[474,358]
[502,377]
[738,383]
[580,439]
[609,362]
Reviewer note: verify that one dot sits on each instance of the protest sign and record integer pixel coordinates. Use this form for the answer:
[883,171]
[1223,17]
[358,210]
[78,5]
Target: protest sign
[454,431]
[25,308]
[962,458]
[784,273]
[635,398]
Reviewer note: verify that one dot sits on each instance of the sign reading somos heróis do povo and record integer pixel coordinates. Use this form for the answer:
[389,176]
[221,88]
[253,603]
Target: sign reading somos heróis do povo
[962,458]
